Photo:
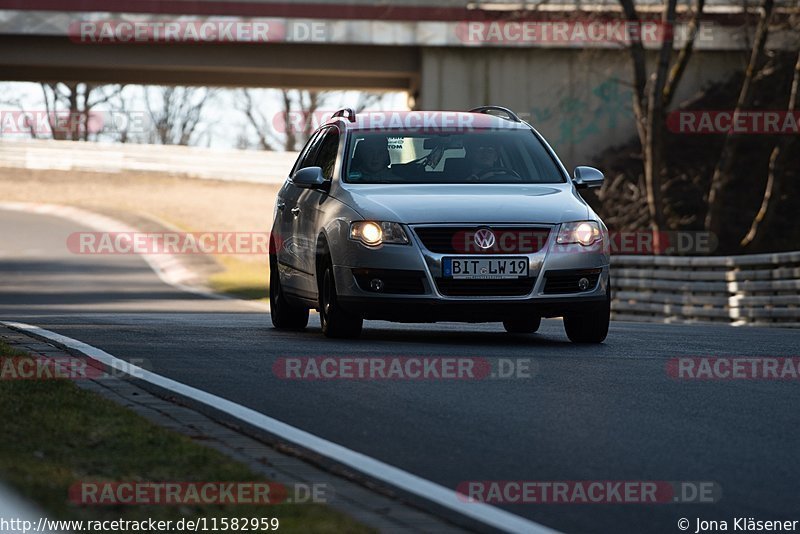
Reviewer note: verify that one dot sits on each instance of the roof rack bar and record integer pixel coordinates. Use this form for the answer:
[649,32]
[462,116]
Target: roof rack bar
[347,113]
[510,115]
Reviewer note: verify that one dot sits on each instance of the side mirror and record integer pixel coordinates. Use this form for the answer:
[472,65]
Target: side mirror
[308,178]
[585,177]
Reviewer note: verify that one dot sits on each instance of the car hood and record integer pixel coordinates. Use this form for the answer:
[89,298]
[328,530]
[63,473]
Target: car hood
[466,203]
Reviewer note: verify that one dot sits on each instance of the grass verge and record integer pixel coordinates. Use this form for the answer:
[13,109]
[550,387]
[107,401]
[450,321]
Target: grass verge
[54,434]
[242,279]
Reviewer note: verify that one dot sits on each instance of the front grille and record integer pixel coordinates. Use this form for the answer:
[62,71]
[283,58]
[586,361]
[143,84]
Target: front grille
[568,281]
[395,281]
[459,239]
[485,288]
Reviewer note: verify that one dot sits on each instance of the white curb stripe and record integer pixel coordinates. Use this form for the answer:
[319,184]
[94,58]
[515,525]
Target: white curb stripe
[481,512]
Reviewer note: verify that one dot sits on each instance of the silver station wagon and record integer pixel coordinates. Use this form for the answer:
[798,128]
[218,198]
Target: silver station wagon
[437,216]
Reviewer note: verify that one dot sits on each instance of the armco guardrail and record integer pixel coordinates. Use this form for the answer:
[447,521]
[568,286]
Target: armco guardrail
[195,162]
[759,289]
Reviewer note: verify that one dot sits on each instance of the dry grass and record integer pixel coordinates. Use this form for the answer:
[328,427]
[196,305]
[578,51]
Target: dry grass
[55,435]
[183,202]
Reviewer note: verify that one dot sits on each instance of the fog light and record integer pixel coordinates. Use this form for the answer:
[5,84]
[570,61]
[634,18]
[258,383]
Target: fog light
[376,284]
[583,284]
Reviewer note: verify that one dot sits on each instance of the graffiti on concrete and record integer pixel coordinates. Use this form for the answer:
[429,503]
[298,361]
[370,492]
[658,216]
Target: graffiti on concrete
[580,118]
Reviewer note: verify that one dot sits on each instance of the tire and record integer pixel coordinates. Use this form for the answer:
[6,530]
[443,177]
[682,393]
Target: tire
[522,325]
[591,325]
[284,314]
[336,322]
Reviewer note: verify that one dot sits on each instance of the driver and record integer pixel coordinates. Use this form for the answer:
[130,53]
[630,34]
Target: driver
[371,160]
[483,159]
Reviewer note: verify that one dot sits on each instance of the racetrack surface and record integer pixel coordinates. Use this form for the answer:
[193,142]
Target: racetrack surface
[608,412]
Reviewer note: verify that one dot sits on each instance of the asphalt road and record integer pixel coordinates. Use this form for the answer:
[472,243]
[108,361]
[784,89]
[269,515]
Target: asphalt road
[607,412]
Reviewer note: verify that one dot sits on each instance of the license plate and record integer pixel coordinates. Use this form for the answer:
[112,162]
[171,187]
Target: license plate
[485,268]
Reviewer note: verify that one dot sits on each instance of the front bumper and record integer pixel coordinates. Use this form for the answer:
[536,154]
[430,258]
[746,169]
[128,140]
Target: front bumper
[429,300]
[432,310]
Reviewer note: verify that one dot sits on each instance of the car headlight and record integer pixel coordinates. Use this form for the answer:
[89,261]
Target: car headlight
[582,232]
[373,233]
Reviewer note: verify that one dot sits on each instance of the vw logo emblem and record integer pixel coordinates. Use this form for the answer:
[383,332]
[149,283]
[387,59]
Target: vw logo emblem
[484,238]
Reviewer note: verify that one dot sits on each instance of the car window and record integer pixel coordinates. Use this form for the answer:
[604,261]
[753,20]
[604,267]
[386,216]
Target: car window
[306,158]
[328,150]
[477,156]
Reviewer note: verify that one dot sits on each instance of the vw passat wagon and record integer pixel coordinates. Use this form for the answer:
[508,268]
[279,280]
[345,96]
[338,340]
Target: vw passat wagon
[437,216]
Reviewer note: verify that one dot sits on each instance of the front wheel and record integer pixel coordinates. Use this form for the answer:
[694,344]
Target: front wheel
[336,322]
[590,325]
[284,314]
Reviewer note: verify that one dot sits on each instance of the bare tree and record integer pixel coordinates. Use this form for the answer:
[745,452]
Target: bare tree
[289,127]
[653,94]
[132,126]
[723,175]
[247,103]
[8,99]
[299,113]
[309,104]
[366,100]
[776,173]
[71,109]
[175,113]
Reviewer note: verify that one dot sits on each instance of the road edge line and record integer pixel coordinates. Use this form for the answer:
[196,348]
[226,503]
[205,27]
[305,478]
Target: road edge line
[393,476]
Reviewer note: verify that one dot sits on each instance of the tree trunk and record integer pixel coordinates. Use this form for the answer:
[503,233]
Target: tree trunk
[650,106]
[291,135]
[654,148]
[722,178]
[777,170]
[639,70]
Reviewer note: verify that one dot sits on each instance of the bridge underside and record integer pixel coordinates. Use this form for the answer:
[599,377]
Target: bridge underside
[579,98]
[313,66]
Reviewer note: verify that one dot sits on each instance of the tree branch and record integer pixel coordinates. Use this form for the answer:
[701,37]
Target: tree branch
[676,73]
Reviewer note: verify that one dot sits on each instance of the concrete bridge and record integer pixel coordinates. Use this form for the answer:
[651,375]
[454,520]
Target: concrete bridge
[541,60]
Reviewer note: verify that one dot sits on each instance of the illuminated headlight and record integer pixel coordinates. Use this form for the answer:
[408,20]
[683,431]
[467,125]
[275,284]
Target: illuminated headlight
[373,233]
[582,232]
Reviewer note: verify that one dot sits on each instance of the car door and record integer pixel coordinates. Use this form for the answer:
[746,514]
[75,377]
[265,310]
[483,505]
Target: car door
[289,239]
[312,204]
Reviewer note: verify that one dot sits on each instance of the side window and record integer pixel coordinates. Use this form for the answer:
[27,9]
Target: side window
[328,150]
[306,158]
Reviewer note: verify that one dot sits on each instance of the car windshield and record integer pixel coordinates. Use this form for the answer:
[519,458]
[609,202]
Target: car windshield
[478,156]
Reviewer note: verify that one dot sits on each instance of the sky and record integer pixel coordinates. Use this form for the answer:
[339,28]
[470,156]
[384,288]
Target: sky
[222,124]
